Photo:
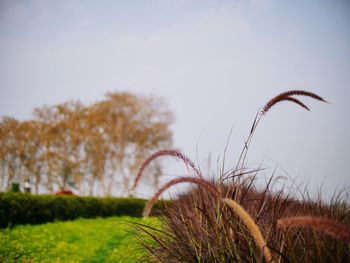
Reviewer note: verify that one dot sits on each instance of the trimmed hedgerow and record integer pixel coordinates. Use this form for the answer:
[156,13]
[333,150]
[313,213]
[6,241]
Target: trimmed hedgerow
[20,208]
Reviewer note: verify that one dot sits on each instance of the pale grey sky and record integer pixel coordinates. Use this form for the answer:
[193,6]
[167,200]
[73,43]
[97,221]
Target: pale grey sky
[215,63]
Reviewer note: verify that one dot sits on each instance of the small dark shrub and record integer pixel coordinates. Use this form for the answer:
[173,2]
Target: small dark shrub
[15,187]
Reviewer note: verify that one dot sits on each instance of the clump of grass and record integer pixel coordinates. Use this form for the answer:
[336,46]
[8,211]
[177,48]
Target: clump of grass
[233,221]
[200,227]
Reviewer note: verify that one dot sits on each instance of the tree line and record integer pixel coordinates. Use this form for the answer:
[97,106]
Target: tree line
[92,148]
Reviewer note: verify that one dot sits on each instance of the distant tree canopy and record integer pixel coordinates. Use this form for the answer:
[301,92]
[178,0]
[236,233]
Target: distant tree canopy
[96,146]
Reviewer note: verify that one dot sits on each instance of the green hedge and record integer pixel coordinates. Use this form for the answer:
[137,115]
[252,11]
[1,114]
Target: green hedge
[20,208]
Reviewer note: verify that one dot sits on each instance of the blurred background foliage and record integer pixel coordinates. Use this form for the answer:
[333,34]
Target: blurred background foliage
[94,149]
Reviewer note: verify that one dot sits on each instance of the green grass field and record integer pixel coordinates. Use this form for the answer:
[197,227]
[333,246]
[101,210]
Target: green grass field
[84,240]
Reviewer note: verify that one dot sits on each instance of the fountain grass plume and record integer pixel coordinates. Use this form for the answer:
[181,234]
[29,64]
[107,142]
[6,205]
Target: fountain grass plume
[318,223]
[168,152]
[287,96]
[295,101]
[251,226]
[199,181]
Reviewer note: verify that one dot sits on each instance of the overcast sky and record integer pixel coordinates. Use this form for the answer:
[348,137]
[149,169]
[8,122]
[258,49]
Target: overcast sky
[215,63]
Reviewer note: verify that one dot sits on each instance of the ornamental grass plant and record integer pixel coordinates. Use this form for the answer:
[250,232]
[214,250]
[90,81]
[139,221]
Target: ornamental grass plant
[233,219]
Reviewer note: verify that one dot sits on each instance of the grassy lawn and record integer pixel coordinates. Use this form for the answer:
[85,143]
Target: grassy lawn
[84,240]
